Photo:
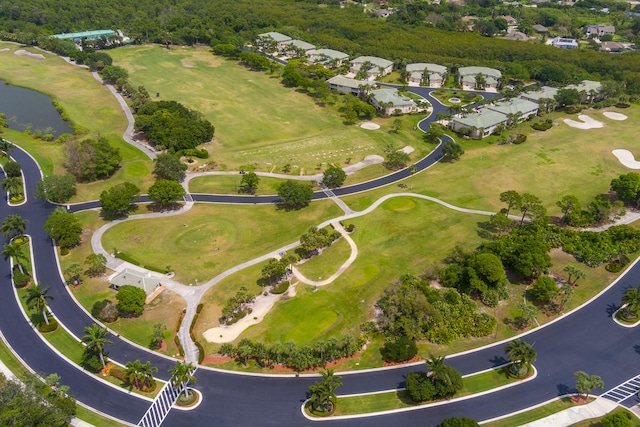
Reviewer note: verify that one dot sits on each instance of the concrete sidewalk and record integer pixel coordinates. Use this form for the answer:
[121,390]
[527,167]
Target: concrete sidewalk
[598,408]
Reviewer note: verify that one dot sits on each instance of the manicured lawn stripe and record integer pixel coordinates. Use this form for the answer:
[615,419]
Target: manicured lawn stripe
[534,414]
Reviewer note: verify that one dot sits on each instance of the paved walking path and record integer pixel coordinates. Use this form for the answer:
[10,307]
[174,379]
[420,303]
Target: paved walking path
[354,254]
[598,408]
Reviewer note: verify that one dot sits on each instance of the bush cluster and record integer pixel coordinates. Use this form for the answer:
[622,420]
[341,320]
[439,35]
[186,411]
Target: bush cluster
[400,350]
[236,306]
[543,126]
[412,309]
[288,354]
[105,310]
[422,387]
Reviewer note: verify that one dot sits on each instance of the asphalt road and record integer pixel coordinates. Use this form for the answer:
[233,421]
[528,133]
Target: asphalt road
[585,340]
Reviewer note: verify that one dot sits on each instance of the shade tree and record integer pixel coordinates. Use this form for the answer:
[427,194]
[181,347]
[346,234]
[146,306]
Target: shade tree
[334,176]
[294,195]
[56,188]
[585,383]
[168,166]
[166,192]
[249,183]
[64,228]
[117,200]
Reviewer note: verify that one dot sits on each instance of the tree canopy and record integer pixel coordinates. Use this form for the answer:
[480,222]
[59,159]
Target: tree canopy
[64,228]
[166,192]
[294,194]
[91,159]
[130,300]
[116,201]
[56,188]
[171,125]
[169,167]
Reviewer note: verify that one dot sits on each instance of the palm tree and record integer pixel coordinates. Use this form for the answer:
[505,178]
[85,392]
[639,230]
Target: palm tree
[437,370]
[521,354]
[37,299]
[95,338]
[13,250]
[323,392]
[182,374]
[13,226]
[631,299]
[13,186]
[140,374]
[5,146]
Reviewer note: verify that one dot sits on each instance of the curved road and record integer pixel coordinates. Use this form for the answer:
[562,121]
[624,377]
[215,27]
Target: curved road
[585,340]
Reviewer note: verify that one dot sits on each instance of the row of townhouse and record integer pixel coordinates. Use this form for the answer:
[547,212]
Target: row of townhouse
[372,67]
[484,122]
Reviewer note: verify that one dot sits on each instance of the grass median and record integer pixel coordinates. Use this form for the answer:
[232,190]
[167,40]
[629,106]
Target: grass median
[398,399]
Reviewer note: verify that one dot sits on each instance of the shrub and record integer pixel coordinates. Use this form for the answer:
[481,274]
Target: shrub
[201,352]
[542,126]
[458,422]
[105,310]
[401,350]
[119,374]
[199,308]
[519,139]
[612,267]
[20,280]
[91,362]
[52,326]
[178,344]
[622,105]
[617,419]
[126,257]
[490,298]
[280,288]
[420,387]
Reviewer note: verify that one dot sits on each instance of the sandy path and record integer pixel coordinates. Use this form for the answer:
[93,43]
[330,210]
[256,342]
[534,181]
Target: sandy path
[587,123]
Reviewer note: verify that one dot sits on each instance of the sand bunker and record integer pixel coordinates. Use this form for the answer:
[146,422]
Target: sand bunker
[21,52]
[614,116]
[587,123]
[261,307]
[5,49]
[408,149]
[626,158]
[371,159]
[370,126]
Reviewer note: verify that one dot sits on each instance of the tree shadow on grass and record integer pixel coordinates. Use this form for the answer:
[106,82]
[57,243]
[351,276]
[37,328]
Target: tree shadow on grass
[159,208]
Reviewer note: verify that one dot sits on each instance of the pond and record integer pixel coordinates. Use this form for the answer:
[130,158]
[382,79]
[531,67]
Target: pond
[30,109]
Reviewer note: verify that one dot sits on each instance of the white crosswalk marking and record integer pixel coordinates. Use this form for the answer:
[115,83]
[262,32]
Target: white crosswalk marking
[623,391]
[161,406]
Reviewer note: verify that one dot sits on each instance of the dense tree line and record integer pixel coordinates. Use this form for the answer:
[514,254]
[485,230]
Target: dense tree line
[407,35]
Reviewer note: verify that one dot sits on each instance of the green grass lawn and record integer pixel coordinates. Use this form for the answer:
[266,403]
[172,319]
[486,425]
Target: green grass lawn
[210,239]
[89,104]
[163,309]
[398,399]
[257,120]
[443,95]
[550,164]
[228,184]
[324,265]
[387,248]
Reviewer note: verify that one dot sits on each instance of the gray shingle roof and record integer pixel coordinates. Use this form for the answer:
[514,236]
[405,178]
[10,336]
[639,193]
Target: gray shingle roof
[299,44]
[148,282]
[392,96]
[329,53]
[473,71]
[513,106]
[275,36]
[432,68]
[374,60]
[482,120]
[340,80]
